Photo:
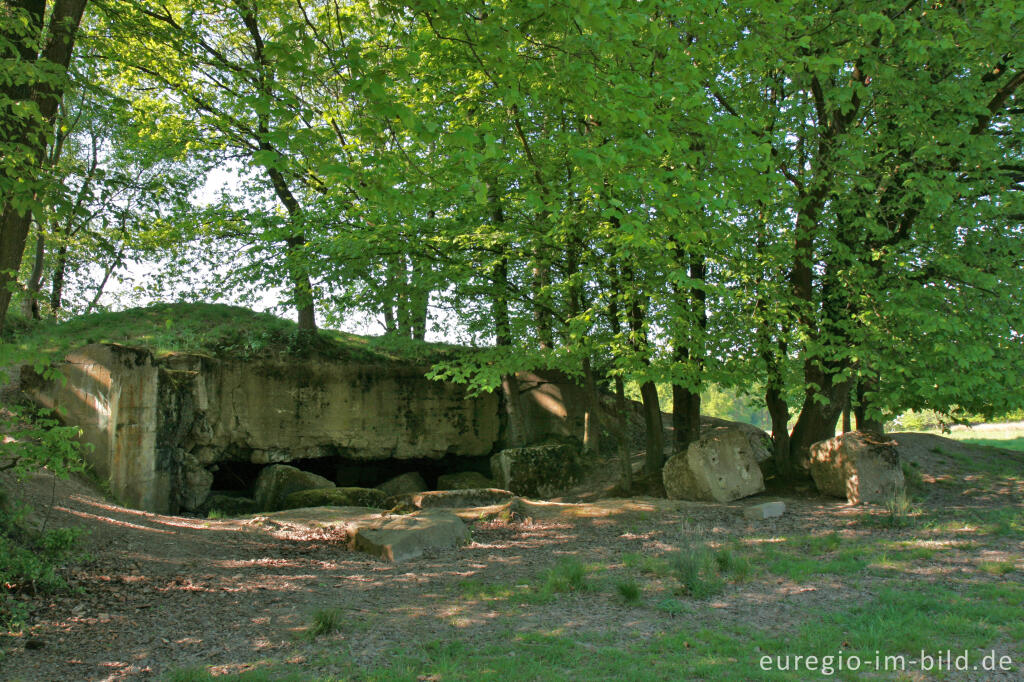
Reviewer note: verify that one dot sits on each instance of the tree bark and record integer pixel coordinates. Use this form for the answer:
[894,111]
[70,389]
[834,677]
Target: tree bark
[503,329]
[862,409]
[685,418]
[625,465]
[655,458]
[686,401]
[655,430]
[592,411]
[778,409]
[59,272]
[30,306]
[817,420]
[64,23]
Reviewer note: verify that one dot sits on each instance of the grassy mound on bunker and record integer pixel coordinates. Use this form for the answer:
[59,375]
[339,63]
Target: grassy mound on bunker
[218,330]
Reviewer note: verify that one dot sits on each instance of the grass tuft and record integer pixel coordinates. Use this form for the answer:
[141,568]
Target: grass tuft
[694,568]
[325,622]
[629,590]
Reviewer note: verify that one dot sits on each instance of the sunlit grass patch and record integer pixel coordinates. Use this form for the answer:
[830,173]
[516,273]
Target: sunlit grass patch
[999,568]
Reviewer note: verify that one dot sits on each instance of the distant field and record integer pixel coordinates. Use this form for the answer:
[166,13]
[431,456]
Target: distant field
[1010,436]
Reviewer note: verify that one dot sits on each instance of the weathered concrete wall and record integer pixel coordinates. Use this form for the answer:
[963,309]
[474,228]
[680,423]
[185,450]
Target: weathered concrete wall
[158,427]
[305,409]
[111,393]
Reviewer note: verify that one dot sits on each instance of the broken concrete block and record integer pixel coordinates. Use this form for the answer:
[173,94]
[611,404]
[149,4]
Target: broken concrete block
[407,537]
[860,466]
[719,467]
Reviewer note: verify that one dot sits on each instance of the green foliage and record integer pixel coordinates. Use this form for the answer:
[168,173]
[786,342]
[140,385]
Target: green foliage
[35,440]
[30,560]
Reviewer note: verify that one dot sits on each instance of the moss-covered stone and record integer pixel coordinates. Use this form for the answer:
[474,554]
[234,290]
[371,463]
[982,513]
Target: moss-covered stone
[433,499]
[336,497]
[277,481]
[410,482]
[545,470]
[463,480]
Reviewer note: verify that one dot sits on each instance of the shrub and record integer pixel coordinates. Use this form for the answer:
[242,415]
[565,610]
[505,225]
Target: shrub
[30,559]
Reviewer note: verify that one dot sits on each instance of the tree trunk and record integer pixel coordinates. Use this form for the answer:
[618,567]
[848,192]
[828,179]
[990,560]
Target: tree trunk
[592,411]
[685,418]
[655,430]
[59,272]
[503,330]
[865,423]
[625,465]
[817,420]
[419,302]
[64,23]
[686,400]
[648,391]
[30,306]
[779,411]
[541,308]
[302,286]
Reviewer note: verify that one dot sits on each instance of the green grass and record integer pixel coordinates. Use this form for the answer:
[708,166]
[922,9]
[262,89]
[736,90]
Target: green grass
[1007,443]
[217,330]
[887,621]
[325,622]
[629,590]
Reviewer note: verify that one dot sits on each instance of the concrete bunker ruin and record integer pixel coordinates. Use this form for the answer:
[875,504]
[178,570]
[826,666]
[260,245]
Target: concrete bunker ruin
[167,432]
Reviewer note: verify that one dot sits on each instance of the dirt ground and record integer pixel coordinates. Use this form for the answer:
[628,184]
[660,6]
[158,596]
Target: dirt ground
[159,593]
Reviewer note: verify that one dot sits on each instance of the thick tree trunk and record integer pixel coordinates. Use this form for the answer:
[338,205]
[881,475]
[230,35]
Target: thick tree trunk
[685,418]
[778,409]
[686,401]
[64,22]
[865,423]
[13,235]
[817,420]
[655,430]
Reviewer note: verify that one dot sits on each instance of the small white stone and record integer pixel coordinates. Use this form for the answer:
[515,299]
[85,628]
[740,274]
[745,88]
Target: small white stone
[766,510]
